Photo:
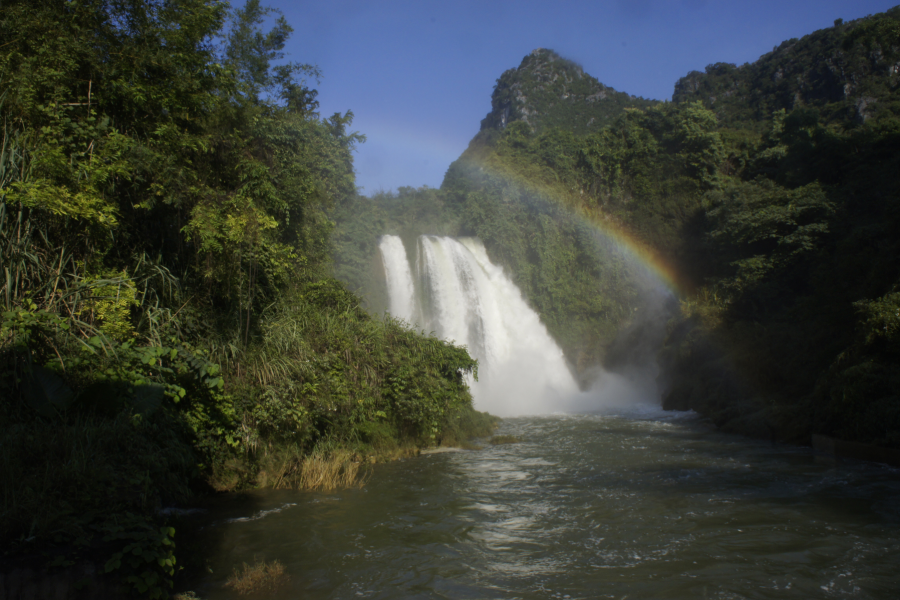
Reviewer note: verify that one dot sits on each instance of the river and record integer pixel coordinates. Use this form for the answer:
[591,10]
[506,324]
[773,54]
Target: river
[645,505]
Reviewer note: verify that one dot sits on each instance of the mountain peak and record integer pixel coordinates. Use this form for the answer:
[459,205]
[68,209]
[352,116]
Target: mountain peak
[547,90]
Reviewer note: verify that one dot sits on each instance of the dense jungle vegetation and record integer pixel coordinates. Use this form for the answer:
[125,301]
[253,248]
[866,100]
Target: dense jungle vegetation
[771,189]
[169,324]
[176,219]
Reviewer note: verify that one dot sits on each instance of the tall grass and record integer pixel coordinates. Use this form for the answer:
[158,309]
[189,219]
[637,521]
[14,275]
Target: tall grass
[46,260]
[62,476]
[258,578]
[324,473]
[321,470]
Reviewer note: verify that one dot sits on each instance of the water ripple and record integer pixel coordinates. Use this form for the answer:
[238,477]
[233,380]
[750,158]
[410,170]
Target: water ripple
[588,506]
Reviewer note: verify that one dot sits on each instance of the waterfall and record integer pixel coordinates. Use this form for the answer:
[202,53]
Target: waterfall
[401,294]
[464,298]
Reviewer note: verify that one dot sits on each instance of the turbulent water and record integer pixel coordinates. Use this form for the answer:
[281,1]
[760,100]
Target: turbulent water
[461,296]
[625,502]
[401,292]
[594,506]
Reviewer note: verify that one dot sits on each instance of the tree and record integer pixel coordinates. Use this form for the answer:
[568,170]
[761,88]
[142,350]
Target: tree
[251,54]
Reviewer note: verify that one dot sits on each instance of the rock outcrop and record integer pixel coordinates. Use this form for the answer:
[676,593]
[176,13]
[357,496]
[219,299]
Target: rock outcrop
[547,90]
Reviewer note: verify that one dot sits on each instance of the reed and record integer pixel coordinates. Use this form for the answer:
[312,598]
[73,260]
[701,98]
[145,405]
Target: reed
[258,578]
[329,472]
[325,469]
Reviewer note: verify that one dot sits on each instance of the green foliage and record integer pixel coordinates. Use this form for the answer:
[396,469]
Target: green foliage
[760,226]
[461,427]
[846,72]
[165,240]
[547,91]
[859,395]
[533,199]
[85,470]
[881,319]
[147,557]
[249,53]
[781,344]
[330,367]
[700,145]
[781,221]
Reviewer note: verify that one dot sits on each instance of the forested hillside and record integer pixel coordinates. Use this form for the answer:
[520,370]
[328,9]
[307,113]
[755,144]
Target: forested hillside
[169,322]
[848,73]
[779,210]
[770,193]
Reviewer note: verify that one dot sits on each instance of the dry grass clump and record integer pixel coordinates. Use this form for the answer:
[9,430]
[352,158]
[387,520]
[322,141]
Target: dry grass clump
[334,471]
[259,577]
[290,468]
[325,471]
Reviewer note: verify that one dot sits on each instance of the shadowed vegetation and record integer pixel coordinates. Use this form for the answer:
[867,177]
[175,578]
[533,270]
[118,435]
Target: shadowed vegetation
[168,319]
[259,578]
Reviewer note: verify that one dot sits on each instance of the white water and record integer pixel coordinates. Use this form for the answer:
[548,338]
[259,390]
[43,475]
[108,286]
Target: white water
[401,293]
[462,297]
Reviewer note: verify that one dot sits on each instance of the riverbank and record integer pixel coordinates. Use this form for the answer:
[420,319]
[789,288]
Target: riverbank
[652,507]
[95,496]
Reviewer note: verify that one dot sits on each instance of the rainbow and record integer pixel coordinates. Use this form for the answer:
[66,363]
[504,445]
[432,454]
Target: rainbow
[655,264]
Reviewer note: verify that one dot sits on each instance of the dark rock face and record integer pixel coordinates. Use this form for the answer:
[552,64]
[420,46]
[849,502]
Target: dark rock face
[547,90]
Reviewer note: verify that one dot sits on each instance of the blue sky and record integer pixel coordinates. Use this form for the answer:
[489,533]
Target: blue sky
[418,75]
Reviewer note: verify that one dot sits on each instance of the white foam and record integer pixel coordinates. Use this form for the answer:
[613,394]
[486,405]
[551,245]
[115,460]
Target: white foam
[463,297]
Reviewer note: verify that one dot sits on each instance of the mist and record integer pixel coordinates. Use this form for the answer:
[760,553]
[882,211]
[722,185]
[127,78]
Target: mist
[456,292]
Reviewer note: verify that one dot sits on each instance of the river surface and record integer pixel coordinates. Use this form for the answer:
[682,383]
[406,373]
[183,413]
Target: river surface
[642,506]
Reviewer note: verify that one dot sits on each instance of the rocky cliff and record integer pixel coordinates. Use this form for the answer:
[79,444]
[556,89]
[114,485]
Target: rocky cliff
[546,91]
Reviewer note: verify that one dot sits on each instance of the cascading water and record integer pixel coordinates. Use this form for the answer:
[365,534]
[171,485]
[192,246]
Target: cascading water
[464,298]
[401,293]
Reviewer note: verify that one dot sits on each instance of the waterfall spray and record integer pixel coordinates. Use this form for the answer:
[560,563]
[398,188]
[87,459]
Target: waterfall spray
[401,293]
[466,299]
[457,293]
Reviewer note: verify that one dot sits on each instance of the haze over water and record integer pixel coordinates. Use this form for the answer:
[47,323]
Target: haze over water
[454,290]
